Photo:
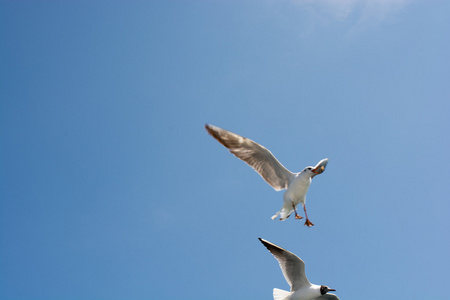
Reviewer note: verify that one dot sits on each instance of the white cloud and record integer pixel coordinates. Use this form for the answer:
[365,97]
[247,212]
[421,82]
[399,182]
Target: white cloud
[359,14]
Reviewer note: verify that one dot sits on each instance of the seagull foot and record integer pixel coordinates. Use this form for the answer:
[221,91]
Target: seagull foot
[308,223]
[298,217]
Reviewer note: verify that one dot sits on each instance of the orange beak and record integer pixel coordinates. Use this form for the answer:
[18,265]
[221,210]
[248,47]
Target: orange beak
[318,170]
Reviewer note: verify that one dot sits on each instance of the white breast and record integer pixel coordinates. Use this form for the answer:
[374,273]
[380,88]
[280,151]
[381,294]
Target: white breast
[307,293]
[298,188]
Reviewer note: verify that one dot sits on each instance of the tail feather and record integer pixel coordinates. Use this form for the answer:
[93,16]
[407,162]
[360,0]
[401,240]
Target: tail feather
[285,213]
[275,216]
[280,294]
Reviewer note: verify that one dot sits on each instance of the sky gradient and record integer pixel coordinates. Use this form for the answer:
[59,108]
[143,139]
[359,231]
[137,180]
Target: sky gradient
[110,188]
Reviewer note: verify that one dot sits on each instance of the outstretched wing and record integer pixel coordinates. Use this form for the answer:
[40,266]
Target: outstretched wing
[291,265]
[255,155]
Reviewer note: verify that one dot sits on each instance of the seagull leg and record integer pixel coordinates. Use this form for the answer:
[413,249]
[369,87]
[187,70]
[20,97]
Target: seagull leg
[297,216]
[307,222]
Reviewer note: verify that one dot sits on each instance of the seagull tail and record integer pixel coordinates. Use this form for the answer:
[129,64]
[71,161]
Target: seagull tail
[275,216]
[280,294]
[285,213]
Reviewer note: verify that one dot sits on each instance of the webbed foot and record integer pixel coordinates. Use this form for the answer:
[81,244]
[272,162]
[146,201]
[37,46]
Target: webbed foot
[308,223]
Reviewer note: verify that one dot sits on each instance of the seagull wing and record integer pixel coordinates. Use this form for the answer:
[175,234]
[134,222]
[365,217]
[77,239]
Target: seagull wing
[291,265]
[255,155]
[327,297]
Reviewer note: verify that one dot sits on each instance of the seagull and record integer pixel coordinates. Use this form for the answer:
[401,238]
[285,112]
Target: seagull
[271,170]
[293,269]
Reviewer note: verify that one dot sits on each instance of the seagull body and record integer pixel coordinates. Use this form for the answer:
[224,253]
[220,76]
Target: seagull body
[293,269]
[271,170]
[296,193]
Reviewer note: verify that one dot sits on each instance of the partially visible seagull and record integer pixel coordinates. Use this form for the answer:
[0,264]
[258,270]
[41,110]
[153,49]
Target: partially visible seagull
[293,269]
[271,170]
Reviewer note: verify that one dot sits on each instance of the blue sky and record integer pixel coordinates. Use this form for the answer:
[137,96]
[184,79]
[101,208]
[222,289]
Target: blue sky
[110,188]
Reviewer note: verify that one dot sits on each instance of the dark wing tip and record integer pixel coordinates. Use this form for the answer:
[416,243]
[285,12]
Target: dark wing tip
[210,129]
[213,132]
[276,250]
[268,244]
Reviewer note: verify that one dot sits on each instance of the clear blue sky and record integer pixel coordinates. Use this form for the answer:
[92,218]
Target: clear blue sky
[110,188]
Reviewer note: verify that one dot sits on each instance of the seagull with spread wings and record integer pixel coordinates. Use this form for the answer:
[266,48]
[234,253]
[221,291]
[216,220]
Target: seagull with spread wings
[293,269]
[271,170]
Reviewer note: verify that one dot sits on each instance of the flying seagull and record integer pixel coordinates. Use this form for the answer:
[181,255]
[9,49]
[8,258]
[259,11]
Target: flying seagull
[271,170]
[293,269]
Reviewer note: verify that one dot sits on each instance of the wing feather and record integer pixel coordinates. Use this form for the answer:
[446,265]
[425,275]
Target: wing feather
[255,155]
[291,265]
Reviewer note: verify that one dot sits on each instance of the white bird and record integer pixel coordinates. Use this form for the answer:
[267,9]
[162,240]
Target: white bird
[293,269]
[271,170]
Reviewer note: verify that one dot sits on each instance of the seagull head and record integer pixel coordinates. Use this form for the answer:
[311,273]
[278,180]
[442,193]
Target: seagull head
[324,289]
[313,171]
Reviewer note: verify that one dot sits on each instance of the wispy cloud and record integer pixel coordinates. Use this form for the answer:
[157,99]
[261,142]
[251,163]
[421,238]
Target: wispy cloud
[359,14]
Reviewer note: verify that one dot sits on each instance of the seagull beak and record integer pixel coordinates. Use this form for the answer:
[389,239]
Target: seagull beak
[331,290]
[318,170]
